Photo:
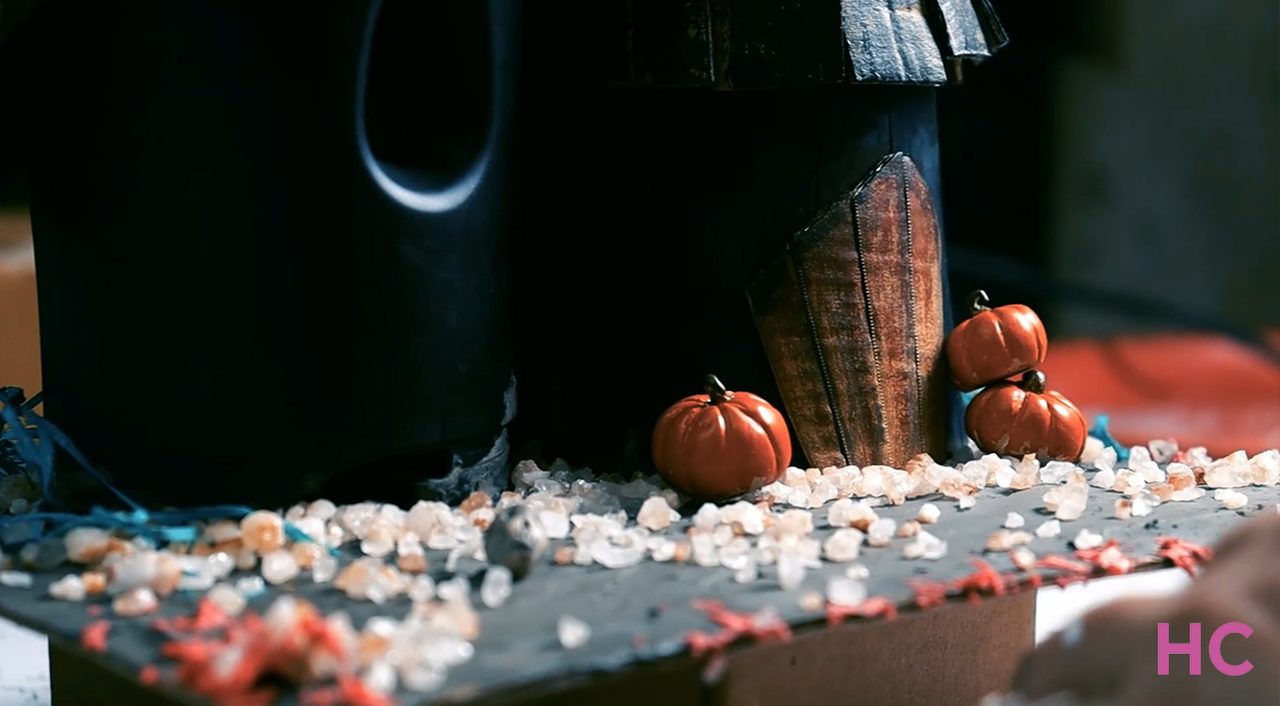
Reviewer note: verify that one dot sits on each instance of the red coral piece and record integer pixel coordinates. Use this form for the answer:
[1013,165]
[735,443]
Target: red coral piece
[873,607]
[1183,554]
[94,636]
[1107,558]
[230,667]
[984,580]
[733,625]
[928,593]
[208,616]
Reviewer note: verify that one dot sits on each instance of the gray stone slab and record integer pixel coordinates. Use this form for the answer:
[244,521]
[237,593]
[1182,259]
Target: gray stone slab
[643,612]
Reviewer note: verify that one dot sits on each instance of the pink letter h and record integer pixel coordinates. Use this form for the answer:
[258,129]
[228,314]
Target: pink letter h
[1164,648]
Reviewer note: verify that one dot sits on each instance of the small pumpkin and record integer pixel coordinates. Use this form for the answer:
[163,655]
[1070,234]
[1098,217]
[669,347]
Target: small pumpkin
[721,443]
[994,344]
[1018,418]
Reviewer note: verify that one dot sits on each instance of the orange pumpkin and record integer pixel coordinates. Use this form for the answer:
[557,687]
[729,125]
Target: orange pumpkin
[994,344]
[720,444]
[1017,418]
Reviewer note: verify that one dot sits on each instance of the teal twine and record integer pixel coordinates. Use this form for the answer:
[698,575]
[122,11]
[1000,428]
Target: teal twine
[1102,431]
[35,438]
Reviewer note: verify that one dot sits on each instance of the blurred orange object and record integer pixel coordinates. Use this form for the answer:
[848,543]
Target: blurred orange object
[19,328]
[1201,389]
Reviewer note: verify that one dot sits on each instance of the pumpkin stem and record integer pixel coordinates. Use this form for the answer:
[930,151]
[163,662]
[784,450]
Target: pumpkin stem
[979,301]
[715,389]
[1033,381]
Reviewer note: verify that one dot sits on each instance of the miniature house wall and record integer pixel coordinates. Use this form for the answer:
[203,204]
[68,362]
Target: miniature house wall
[285,252]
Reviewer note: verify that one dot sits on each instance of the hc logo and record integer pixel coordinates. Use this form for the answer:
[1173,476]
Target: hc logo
[1191,648]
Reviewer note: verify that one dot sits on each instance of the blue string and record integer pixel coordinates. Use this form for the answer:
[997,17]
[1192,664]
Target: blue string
[1103,433]
[35,439]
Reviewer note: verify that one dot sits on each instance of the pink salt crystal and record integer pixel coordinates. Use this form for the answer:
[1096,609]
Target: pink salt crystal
[1003,540]
[925,546]
[262,531]
[844,591]
[379,540]
[1231,499]
[135,602]
[1068,501]
[880,532]
[908,529]
[1013,521]
[86,545]
[1123,508]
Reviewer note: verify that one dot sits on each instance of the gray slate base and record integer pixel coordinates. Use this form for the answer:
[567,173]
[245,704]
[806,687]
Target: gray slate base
[651,601]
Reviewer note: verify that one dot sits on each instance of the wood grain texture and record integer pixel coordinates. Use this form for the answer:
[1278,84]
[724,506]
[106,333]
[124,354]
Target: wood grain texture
[851,318]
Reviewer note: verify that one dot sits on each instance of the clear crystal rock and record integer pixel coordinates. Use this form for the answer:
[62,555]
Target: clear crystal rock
[744,517]
[1143,503]
[1049,529]
[1265,467]
[705,551]
[134,570]
[619,552]
[422,588]
[928,514]
[791,570]
[707,517]
[748,572]
[925,546]
[1026,473]
[15,579]
[279,567]
[1128,482]
[843,545]
[1231,499]
[227,598]
[422,677]
[847,513]
[1087,540]
[379,540]
[1093,447]
[1105,479]
[1231,471]
[1055,472]
[135,602]
[722,535]
[496,586]
[455,589]
[68,588]
[250,586]
[324,568]
[661,549]
[966,502]
[380,676]
[736,554]
[573,633]
[880,532]
[844,591]
[1067,502]
[857,572]
[1013,521]
[555,524]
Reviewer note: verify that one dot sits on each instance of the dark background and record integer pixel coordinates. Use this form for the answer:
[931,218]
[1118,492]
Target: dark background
[1117,166]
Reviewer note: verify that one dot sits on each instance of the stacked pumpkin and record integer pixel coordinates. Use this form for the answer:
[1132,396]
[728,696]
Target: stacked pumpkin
[1011,417]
